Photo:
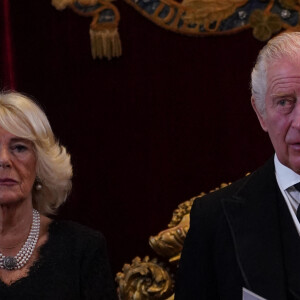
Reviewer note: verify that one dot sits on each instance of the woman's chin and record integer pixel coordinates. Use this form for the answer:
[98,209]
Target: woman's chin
[9,199]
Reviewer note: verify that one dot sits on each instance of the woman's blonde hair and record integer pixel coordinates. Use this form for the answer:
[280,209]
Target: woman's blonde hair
[22,117]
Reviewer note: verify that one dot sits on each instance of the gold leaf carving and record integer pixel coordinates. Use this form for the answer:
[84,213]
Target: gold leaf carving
[289,4]
[206,12]
[264,24]
[149,280]
[169,243]
[61,4]
[144,280]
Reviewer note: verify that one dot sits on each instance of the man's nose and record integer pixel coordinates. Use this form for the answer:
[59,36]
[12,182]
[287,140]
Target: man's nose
[4,158]
[296,117]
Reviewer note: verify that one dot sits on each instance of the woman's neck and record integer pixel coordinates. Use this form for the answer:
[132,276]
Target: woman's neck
[15,224]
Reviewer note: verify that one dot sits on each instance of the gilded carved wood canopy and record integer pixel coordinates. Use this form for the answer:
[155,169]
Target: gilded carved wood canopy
[189,17]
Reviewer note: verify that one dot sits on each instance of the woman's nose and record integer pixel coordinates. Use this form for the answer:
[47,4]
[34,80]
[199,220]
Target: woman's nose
[4,158]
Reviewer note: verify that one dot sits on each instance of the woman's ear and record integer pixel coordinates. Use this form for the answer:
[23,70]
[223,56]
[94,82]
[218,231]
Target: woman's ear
[260,116]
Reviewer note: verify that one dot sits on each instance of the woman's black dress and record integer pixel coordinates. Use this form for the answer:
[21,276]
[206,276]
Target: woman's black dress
[73,264]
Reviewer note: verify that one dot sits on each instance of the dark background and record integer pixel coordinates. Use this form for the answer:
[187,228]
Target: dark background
[167,120]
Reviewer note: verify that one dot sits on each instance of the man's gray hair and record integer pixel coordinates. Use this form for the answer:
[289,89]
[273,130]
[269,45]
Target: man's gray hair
[284,45]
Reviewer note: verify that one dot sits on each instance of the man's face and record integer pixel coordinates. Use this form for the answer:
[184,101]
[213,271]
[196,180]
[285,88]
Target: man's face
[282,111]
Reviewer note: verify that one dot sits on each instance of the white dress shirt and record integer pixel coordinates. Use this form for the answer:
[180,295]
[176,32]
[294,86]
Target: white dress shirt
[286,178]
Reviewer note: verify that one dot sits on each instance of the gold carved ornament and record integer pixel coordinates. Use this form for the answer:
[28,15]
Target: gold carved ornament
[220,17]
[207,12]
[189,17]
[104,35]
[146,279]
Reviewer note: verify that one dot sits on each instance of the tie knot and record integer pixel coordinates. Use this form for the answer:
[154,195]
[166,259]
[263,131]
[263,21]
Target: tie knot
[297,186]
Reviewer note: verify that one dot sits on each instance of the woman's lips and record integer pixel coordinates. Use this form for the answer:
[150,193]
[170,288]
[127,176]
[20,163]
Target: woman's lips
[7,181]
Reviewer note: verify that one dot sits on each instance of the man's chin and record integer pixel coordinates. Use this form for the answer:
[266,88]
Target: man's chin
[295,167]
[292,162]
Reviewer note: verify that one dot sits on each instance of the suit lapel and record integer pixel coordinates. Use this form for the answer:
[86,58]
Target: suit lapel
[252,216]
[291,249]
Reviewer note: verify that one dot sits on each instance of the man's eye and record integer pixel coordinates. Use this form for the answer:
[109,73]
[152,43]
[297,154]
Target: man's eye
[287,103]
[282,102]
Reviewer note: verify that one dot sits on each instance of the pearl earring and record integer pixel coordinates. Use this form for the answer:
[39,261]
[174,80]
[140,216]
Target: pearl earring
[38,185]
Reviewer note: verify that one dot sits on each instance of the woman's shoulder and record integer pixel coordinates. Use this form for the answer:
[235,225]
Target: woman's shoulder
[73,232]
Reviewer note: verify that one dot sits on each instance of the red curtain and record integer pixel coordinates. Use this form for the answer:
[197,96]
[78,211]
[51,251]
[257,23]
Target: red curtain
[8,78]
[167,120]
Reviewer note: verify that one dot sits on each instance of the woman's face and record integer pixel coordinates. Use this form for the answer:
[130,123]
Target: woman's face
[17,168]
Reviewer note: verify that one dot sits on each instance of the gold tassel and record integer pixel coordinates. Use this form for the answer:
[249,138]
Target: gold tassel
[105,42]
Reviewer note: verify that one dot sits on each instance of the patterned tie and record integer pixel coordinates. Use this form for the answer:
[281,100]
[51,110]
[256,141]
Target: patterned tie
[297,187]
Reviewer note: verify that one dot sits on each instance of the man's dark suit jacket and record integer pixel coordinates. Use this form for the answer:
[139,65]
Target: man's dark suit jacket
[241,236]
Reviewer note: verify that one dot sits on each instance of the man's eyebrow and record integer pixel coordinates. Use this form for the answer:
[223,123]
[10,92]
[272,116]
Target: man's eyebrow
[283,94]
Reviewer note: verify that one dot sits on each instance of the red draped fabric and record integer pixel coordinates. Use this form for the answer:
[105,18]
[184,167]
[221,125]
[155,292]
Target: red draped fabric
[8,78]
[167,120]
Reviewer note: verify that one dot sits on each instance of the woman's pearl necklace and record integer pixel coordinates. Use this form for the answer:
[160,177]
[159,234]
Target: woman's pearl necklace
[20,260]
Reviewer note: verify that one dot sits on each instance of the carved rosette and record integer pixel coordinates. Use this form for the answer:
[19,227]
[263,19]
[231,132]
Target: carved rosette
[144,280]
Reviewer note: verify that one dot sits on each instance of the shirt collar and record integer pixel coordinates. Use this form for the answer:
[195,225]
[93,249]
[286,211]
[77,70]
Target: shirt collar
[285,176]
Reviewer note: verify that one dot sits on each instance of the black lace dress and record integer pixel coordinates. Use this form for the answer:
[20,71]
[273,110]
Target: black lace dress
[73,264]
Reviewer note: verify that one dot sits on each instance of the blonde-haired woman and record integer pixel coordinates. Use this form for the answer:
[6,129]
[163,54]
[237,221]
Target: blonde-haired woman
[41,258]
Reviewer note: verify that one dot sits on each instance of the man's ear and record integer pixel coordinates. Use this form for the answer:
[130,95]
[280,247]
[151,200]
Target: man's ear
[259,116]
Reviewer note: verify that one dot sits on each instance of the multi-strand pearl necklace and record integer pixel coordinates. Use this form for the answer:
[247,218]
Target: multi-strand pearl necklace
[20,260]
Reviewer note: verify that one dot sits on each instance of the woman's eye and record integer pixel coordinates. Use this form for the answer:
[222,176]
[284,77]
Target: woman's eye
[19,148]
